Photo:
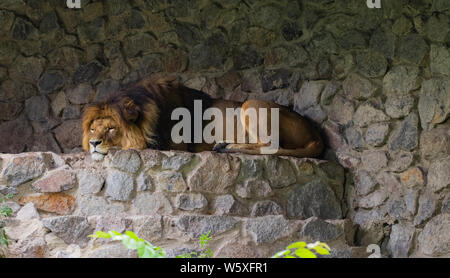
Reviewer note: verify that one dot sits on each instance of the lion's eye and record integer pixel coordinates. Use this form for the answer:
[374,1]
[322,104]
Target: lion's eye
[111,129]
[92,130]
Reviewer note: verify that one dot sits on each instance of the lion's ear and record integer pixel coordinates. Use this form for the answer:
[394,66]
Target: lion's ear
[130,110]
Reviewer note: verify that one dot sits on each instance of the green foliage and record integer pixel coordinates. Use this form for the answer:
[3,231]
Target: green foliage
[3,238]
[5,211]
[206,252]
[144,248]
[303,250]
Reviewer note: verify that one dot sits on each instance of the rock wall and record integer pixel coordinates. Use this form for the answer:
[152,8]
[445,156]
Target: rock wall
[253,206]
[376,81]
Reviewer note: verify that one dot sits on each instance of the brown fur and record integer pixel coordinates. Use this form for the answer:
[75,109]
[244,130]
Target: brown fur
[139,117]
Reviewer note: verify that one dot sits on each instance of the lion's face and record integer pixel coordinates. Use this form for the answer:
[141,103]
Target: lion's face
[104,133]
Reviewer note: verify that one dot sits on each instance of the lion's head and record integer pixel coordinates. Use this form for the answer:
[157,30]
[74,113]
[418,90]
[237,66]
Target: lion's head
[120,123]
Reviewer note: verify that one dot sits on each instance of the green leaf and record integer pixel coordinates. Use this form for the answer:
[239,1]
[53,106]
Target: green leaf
[282,253]
[100,234]
[304,253]
[132,235]
[296,245]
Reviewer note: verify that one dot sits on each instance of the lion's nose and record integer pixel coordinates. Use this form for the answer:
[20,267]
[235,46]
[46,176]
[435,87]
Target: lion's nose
[95,143]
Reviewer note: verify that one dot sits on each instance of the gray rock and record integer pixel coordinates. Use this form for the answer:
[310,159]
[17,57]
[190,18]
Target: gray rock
[427,207]
[434,103]
[253,188]
[37,108]
[71,229]
[315,113]
[251,169]
[309,95]
[396,207]
[116,250]
[126,160]
[150,203]
[24,30]
[374,199]
[227,205]
[59,103]
[374,160]
[439,59]
[267,229]
[399,105]
[279,172]
[376,134]
[149,228]
[410,199]
[50,81]
[437,28]
[371,64]
[144,182]
[400,161]
[331,88]
[400,240]
[27,212]
[358,87]
[319,230]
[213,165]
[313,199]
[267,207]
[341,110]
[71,112]
[57,180]
[435,238]
[87,73]
[90,182]
[196,226]
[400,79]
[23,168]
[439,174]
[364,182]
[176,161]
[111,222]
[435,143]
[80,94]
[170,181]
[94,205]
[384,42]
[275,79]
[402,26]
[246,57]
[405,136]
[190,202]
[119,185]
[354,137]
[413,48]
[367,114]
[446,204]
[69,135]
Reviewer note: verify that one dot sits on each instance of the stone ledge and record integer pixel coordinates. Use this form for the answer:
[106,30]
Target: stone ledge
[268,199]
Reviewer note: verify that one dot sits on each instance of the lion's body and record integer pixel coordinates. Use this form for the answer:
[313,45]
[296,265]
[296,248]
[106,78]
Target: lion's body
[140,117]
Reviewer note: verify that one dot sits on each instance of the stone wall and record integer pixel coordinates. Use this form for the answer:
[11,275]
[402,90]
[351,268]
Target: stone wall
[376,81]
[253,206]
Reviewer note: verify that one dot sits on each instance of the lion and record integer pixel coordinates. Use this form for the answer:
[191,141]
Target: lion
[139,117]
